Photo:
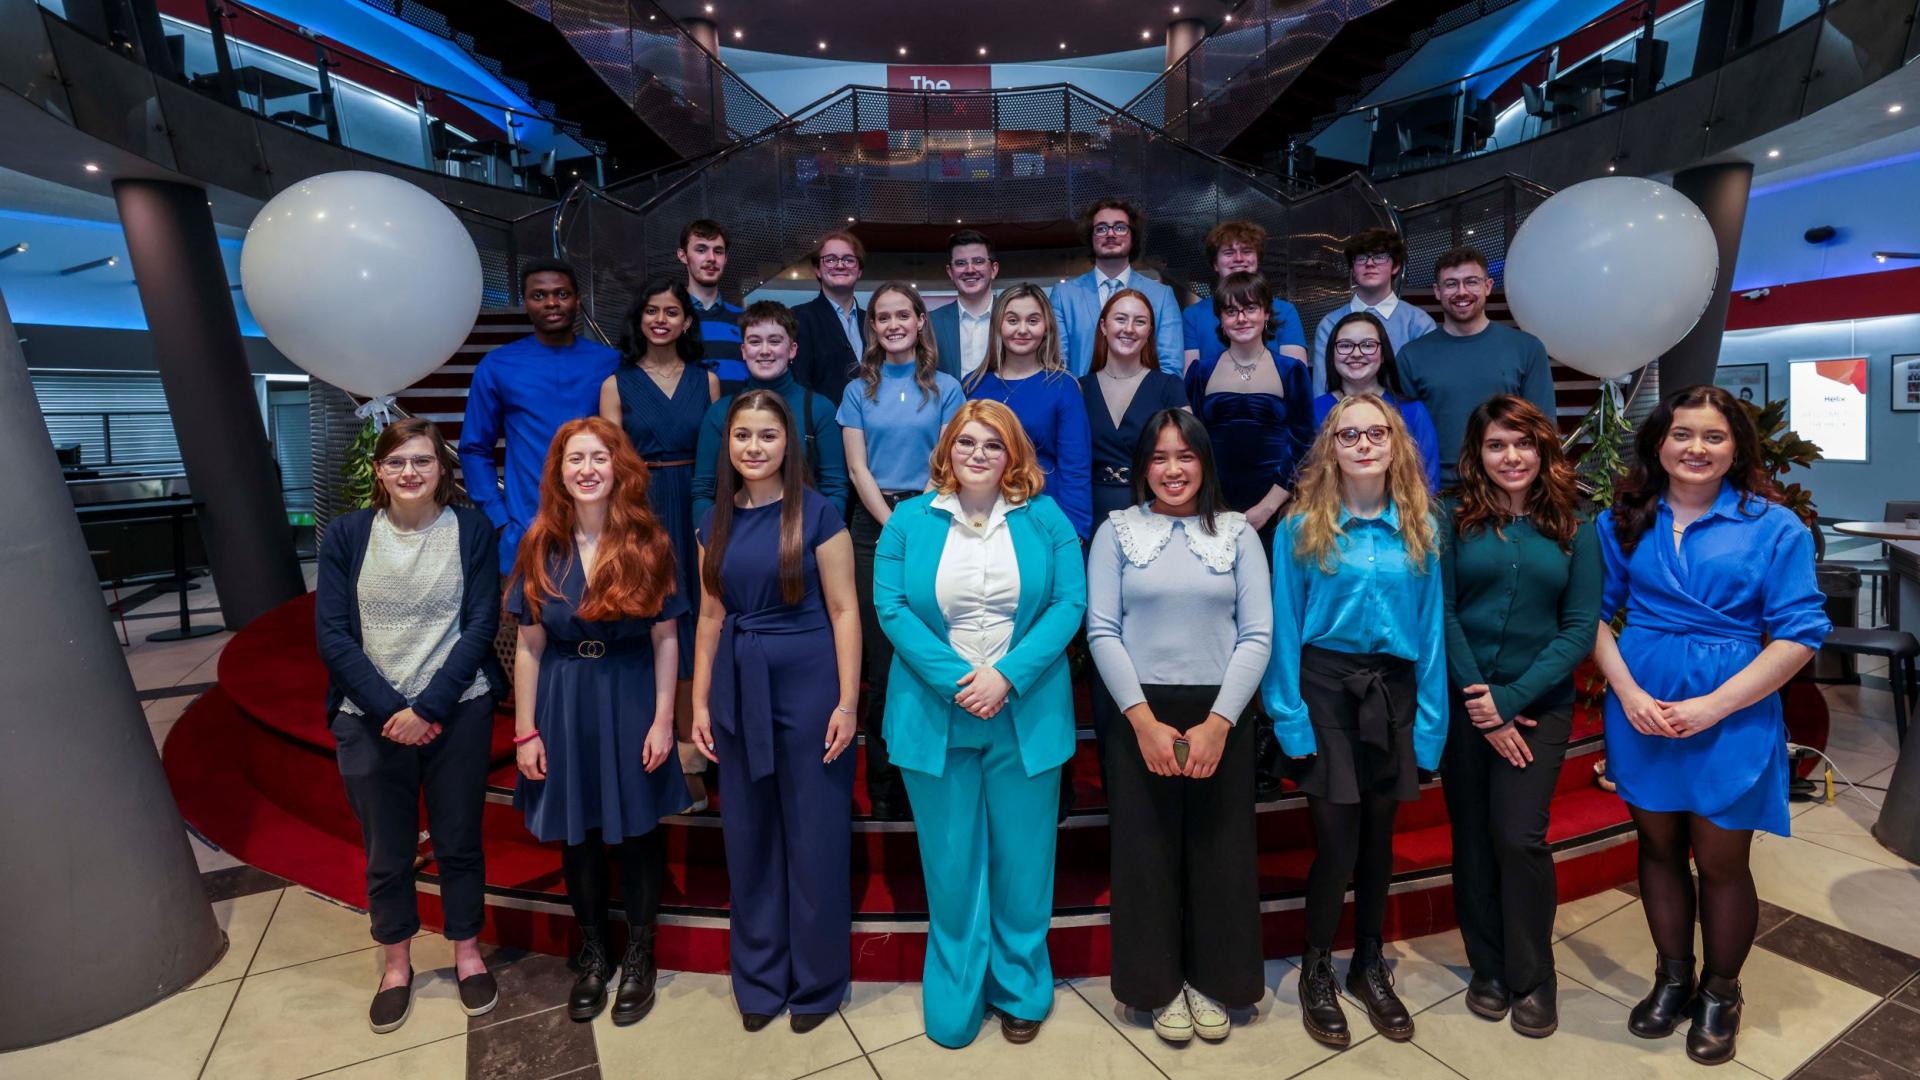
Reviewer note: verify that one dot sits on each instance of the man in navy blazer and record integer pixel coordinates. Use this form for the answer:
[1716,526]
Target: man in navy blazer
[1112,229]
[961,329]
[833,326]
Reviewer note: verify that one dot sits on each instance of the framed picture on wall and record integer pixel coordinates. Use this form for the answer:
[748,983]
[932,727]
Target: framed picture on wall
[1906,382]
[1748,382]
[1827,405]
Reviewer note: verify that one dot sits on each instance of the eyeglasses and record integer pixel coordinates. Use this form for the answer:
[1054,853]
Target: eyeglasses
[1378,258]
[1455,284]
[978,262]
[1114,228]
[1368,347]
[1247,312]
[423,464]
[968,447]
[839,260]
[1377,435]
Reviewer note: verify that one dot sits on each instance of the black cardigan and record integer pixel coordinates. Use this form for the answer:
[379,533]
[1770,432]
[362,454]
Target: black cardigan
[337,606]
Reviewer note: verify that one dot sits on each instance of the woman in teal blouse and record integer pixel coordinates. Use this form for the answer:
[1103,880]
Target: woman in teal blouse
[1522,571]
[979,584]
[1357,687]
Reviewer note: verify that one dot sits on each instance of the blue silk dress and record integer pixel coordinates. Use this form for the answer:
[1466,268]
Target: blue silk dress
[1743,575]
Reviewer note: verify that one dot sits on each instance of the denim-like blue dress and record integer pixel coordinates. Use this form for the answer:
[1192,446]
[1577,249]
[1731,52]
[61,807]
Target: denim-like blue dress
[1742,576]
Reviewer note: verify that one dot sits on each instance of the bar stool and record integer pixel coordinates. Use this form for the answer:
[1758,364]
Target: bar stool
[1901,650]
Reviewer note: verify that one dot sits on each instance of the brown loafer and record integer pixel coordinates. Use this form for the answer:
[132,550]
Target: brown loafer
[1018,1031]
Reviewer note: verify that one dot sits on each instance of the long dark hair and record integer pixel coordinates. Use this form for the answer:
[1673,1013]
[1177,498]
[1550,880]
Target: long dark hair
[633,336]
[727,481]
[1637,504]
[1389,375]
[1553,500]
[1192,432]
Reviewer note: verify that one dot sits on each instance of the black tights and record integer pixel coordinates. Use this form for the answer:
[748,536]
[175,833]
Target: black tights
[642,862]
[1729,908]
[1355,842]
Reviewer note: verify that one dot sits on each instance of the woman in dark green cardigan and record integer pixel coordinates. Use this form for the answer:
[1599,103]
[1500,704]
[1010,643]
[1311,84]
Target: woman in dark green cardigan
[1523,574]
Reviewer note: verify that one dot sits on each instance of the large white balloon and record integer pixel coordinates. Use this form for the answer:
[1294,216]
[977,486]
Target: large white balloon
[1610,273]
[362,279]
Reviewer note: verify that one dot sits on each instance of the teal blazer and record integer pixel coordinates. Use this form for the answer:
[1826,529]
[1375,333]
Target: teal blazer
[926,671]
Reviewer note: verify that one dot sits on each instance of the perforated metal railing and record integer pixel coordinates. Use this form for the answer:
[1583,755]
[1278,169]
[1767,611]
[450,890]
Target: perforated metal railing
[895,157]
[1485,216]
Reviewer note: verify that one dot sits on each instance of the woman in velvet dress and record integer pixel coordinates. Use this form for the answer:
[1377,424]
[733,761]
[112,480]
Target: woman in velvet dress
[1722,609]
[1122,389]
[658,396]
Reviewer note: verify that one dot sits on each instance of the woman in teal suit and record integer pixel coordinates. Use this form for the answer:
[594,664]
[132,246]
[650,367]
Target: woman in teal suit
[980,586]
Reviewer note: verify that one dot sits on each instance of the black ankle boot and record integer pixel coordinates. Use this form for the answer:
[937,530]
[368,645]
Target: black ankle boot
[1536,1013]
[1716,1020]
[589,994]
[1666,1004]
[1320,1001]
[637,975]
[1369,980]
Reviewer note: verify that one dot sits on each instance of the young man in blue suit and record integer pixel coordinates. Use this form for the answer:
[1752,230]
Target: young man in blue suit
[961,329]
[1113,230]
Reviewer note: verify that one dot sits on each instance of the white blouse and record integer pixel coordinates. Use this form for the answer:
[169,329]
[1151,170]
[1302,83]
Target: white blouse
[978,583]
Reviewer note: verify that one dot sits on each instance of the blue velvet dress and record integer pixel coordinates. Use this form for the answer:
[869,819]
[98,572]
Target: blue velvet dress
[1258,439]
[1743,575]
[667,429]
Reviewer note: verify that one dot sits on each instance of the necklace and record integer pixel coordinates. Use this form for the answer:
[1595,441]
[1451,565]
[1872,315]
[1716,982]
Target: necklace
[1245,371]
[1122,378]
[664,375]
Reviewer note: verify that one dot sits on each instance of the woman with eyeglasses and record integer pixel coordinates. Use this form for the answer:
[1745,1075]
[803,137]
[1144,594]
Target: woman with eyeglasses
[407,605]
[1123,388]
[1357,687]
[1023,371]
[1257,404]
[979,584]
[1359,360]
[593,681]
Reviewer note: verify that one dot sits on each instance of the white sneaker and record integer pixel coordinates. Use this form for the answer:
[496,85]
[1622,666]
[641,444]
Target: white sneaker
[1210,1020]
[1172,1022]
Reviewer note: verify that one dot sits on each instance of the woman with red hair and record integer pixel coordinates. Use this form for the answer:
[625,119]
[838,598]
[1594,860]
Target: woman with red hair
[594,674]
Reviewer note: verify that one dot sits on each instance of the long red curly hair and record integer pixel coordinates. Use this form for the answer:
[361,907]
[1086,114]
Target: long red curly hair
[633,571]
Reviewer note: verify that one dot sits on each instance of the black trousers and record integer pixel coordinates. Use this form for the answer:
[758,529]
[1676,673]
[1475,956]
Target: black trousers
[385,782]
[1503,880]
[1186,890]
[876,656]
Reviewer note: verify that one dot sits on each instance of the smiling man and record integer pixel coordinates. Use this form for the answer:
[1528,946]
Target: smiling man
[833,326]
[960,329]
[703,251]
[524,391]
[1374,257]
[1472,358]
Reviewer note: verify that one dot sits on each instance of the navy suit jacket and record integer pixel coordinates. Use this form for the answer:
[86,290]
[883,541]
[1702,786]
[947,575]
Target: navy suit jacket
[824,363]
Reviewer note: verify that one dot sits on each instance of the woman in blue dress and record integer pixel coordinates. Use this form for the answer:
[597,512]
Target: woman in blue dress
[593,680]
[1022,371]
[1257,404]
[1722,608]
[1359,360]
[777,718]
[658,396]
[1121,390]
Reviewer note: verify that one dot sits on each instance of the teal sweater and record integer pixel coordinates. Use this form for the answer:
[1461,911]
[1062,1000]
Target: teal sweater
[1521,613]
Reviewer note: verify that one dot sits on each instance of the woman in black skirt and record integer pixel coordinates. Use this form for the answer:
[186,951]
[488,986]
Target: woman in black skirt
[1358,685]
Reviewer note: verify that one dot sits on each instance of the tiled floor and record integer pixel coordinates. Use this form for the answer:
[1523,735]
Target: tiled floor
[1833,986]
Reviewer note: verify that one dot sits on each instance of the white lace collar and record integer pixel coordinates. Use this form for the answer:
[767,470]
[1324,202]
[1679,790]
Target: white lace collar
[1143,534]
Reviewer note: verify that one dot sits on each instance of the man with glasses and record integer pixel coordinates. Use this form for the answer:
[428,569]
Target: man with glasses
[703,251]
[960,328]
[1235,247]
[1112,230]
[833,326]
[524,391]
[1472,358]
[1374,256]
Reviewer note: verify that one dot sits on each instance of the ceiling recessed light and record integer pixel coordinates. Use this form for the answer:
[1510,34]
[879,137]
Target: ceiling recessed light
[903,50]
[1228,19]
[709,9]
[1773,153]
[1063,45]
[91,167]
[738,34]
[1145,34]
[823,46]
[1894,108]
[983,50]
[1176,9]
[1609,166]
[849,221]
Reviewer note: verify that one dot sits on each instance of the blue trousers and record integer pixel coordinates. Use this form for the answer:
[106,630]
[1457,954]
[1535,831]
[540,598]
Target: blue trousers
[788,848]
[986,832]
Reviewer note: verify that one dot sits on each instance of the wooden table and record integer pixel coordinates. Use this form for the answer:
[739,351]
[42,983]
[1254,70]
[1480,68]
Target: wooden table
[1903,566]
[1880,530]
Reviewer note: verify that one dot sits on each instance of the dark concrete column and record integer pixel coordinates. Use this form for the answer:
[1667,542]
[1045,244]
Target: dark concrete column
[1720,191]
[196,342]
[102,903]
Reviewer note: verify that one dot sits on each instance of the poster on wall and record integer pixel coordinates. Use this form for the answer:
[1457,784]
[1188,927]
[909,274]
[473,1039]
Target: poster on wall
[1748,382]
[1906,382]
[1828,406]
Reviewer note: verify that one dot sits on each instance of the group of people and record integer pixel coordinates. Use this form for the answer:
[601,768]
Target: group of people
[897,521]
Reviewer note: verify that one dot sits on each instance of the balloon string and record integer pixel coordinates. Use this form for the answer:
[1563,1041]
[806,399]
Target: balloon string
[378,409]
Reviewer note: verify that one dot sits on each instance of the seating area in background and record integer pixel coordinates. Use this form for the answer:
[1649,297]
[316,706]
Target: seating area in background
[1873,628]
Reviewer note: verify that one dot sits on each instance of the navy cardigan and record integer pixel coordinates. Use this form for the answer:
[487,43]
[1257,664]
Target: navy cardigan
[337,605]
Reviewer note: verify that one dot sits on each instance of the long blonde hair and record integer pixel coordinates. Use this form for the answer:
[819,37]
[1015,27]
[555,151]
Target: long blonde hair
[1316,499]
[1049,351]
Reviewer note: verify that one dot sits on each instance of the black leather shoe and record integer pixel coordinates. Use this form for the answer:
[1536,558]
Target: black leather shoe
[1320,1002]
[801,1023]
[1716,1020]
[1369,980]
[589,994]
[391,1006]
[634,999]
[1266,787]
[479,994]
[755,1021]
[1488,997]
[1018,1031]
[1666,1004]
[1536,1013]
